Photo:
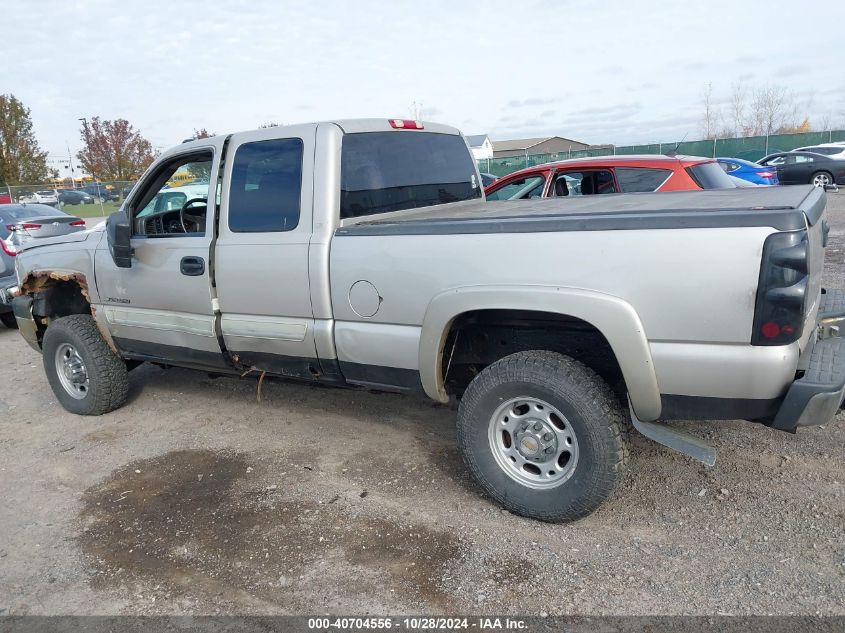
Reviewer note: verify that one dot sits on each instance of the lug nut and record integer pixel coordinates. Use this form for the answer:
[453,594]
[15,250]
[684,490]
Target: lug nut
[548,437]
[550,450]
[538,426]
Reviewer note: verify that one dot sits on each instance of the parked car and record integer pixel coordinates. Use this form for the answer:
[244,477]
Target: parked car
[611,174]
[746,170]
[75,196]
[488,179]
[46,196]
[834,150]
[100,191]
[19,224]
[124,193]
[799,168]
[398,275]
[5,197]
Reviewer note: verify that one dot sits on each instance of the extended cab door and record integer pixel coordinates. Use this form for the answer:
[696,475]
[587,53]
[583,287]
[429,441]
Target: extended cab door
[161,307]
[261,254]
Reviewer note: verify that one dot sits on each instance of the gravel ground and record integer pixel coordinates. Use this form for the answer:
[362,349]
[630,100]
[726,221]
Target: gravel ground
[196,498]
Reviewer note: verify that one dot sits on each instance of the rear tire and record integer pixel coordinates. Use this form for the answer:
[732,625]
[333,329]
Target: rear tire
[9,320]
[86,376]
[545,403]
[821,178]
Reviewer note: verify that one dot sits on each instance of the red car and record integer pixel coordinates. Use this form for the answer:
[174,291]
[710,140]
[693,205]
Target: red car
[5,198]
[611,174]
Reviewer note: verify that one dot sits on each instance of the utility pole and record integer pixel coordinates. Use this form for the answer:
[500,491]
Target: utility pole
[70,164]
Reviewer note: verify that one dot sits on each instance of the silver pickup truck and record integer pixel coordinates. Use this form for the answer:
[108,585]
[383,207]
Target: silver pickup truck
[363,254]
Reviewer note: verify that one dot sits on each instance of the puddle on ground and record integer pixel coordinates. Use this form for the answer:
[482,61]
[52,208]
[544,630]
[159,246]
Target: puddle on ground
[194,522]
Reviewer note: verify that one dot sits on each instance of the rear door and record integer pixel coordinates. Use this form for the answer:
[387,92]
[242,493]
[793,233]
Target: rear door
[261,254]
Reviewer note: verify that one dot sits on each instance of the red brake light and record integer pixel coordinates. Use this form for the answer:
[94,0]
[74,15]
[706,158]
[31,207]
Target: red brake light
[405,124]
[30,225]
[770,329]
[765,174]
[8,248]
[78,223]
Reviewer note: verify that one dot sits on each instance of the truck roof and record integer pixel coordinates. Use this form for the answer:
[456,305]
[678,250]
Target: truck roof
[349,126]
[783,208]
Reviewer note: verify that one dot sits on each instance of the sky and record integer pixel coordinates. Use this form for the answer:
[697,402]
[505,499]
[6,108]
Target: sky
[599,71]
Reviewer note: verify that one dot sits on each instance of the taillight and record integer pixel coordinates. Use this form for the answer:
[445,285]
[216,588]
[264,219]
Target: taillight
[406,124]
[25,226]
[766,174]
[781,290]
[78,223]
[8,248]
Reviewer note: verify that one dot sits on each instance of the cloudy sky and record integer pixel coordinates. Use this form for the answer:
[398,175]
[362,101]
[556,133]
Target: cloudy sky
[603,71]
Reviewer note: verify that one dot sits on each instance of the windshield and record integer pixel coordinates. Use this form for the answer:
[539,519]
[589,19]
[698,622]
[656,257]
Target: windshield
[389,171]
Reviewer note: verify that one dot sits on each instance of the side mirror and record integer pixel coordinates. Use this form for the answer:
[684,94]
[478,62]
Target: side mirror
[118,233]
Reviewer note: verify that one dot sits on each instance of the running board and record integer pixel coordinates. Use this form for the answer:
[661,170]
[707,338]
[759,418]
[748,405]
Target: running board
[676,440]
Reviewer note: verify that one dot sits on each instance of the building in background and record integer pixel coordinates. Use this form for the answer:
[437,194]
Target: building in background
[481,146]
[543,145]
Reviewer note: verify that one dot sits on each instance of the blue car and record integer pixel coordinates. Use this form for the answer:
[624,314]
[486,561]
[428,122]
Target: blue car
[746,170]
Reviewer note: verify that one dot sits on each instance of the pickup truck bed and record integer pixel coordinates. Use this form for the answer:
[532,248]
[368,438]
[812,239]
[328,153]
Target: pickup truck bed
[782,208]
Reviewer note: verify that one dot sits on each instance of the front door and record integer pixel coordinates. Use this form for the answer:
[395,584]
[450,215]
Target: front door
[262,251]
[161,307]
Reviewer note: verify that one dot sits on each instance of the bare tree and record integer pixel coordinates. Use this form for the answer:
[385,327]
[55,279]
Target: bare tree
[772,107]
[711,113]
[739,109]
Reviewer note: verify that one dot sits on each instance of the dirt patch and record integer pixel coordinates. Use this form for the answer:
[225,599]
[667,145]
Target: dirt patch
[201,521]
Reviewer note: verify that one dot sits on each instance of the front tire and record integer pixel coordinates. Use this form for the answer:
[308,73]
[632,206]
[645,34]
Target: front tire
[86,376]
[543,436]
[821,178]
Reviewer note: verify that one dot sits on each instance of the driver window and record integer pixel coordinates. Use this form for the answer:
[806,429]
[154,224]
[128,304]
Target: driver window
[176,200]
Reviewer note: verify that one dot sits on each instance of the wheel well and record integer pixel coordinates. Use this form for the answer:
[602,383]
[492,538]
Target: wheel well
[479,338]
[55,295]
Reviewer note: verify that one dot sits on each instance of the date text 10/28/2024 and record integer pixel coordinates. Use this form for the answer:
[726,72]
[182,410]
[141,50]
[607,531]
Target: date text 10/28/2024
[416,624]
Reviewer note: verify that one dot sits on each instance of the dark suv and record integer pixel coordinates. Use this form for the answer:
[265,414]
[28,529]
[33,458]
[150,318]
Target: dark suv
[98,190]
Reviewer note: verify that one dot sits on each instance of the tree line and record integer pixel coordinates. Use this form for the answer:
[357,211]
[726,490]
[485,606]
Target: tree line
[755,110]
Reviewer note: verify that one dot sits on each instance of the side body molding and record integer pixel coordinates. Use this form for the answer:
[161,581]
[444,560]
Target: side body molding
[614,318]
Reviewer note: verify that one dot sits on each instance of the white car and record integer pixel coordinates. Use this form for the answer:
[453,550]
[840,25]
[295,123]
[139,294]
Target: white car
[834,150]
[47,196]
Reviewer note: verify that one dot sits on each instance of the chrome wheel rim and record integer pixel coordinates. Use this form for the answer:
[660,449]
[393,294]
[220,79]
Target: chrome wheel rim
[820,180]
[533,443]
[71,371]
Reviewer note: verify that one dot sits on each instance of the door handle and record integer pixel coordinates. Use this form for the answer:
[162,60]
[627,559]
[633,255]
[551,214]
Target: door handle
[192,266]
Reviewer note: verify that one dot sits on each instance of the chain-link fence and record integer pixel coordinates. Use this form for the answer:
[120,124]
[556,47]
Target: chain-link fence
[87,198]
[750,148]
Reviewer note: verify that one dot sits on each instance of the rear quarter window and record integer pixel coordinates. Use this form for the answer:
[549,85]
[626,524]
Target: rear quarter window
[710,176]
[391,171]
[641,179]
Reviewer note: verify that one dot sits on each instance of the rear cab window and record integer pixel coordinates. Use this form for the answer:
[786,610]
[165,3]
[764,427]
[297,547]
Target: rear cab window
[710,176]
[389,171]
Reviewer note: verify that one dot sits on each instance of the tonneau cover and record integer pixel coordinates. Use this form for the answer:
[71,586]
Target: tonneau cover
[783,208]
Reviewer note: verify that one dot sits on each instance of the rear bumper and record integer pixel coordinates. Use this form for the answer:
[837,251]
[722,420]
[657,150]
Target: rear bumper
[815,397]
